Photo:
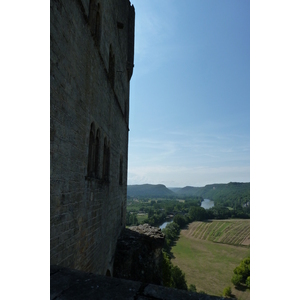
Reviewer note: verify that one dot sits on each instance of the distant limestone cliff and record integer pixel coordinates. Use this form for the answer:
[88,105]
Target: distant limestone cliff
[149,190]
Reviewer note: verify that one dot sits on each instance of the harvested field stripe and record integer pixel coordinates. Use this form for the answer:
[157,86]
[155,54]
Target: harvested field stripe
[196,228]
[213,232]
[246,241]
[212,226]
[199,230]
[219,232]
[240,231]
[215,227]
[243,234]
[201,227]
[233,233]
[201,236]
[240,236]
[227,232]
[222,232]
[191,228]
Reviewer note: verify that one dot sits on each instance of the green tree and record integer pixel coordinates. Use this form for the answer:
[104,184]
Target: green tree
[197,213]
[133,219]
[237,279]
[178,278]
[172,276]
[166,270]
[243,269]
[150,212]
[242,273]
[180,220]
[156,206]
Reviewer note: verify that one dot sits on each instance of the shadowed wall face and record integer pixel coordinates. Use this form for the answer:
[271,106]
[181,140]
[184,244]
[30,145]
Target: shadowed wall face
[139,254]
[91,61]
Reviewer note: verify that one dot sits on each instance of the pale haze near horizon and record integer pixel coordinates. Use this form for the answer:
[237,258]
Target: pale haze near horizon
[190,93]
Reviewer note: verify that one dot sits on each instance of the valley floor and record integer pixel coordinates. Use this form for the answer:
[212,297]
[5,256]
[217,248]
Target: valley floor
[207,261]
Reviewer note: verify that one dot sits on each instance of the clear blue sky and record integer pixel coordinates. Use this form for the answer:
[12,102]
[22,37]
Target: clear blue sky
[190,93]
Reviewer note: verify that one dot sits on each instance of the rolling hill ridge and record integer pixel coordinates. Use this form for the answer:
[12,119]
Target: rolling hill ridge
[149,190]
[216,192]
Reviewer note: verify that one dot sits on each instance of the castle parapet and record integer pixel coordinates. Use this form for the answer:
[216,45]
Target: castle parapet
[139,254]
[69,284]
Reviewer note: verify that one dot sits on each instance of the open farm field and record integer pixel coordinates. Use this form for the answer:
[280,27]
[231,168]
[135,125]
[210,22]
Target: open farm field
[208,252]
[142,217]
[232,232]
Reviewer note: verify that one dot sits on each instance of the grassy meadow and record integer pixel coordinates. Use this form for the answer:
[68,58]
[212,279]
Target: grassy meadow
[141,217]
[208,252]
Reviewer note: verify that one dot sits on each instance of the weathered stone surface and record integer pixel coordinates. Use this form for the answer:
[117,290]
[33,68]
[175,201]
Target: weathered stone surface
[73,284]
[160,292]
[67,284]
[139,254]
[149,231]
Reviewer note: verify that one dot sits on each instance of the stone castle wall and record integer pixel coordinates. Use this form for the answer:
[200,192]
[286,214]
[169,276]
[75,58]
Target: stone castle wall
[139,254]
[91,61]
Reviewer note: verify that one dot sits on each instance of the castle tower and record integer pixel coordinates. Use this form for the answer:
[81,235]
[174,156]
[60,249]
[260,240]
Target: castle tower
[92,51]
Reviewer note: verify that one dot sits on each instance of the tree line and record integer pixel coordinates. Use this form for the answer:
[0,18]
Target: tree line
[185,213]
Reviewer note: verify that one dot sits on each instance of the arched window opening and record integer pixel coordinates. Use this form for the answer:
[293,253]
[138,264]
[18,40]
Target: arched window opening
[92,15]
[106,160]
[108,273]
[95,20]
[121,171]
[122,209]
[97,154]
[97,33]
[111,67]
[91,155]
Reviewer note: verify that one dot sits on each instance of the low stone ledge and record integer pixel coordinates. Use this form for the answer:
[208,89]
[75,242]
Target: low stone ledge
[150,231]
[161,292]
[68,284]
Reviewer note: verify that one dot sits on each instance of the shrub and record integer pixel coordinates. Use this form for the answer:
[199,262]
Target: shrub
[166,270]
[192,288]
[248,282]
[227,291]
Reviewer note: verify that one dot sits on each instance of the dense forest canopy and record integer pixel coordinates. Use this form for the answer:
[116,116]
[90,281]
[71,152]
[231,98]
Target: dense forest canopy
[227,194]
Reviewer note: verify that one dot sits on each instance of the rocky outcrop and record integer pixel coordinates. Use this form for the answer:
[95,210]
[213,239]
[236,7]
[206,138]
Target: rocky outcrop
[139,254]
